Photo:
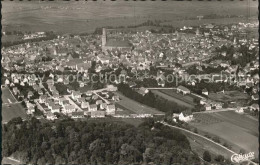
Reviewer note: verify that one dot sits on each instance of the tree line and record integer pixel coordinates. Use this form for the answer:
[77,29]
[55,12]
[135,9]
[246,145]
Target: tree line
[49,36]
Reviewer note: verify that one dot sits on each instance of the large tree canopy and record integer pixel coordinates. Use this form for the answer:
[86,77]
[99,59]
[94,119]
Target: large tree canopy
[77,142]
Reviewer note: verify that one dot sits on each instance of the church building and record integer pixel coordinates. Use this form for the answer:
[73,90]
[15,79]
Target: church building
[110,44]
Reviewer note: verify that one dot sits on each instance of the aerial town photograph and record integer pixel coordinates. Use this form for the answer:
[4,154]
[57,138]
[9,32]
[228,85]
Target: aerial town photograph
[130,82]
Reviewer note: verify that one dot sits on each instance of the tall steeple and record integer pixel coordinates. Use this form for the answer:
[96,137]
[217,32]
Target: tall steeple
[104,37]
[197,31]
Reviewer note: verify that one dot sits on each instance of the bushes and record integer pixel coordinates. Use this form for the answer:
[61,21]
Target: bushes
[219,158]
[207,156]
[216,139]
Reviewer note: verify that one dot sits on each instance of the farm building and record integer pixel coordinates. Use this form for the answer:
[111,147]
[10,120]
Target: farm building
[205,92]
[183,89]
[203,101]
[186,116]
[207,107]
[240,110]
[254,107]
[174,115]
[143,91]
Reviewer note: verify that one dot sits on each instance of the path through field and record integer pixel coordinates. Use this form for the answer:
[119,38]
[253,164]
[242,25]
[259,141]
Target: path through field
[238,130]
[214,144]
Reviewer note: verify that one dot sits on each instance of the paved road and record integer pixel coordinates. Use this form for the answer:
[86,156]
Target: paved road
[219,110]
[164,123]
[67,97]
[108,102]
[11,103]
[39,106]
[197,95]
[160,88]
[47,91]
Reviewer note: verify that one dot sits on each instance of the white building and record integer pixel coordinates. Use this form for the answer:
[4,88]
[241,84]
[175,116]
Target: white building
[186,116]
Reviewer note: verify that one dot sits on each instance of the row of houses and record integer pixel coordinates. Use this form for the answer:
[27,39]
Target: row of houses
[210,104]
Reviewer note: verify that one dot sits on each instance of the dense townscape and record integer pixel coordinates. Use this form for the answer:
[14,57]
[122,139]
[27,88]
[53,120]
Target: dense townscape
[66,95]
[59,75]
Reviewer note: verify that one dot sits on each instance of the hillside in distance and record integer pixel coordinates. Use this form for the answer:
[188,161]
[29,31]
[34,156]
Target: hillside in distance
[81,17]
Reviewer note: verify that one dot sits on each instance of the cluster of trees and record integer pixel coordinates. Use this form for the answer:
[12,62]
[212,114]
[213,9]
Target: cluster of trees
[17,32]
[147,82]
[77,142]
[205,70]
[151,100]
[49,36]
[246,57]
[24,90]
[216,16]
[219,159]
[159,28]
[212,87]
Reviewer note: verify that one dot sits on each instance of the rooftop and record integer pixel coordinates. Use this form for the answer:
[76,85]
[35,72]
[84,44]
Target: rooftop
[118,43]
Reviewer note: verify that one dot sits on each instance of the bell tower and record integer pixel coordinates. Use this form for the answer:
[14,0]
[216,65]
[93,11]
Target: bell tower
[197,32]
[104,37]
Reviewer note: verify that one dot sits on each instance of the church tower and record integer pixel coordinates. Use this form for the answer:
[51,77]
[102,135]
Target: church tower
[197,32]
[104,37]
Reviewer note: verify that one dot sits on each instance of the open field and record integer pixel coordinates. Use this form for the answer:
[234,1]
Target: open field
[187,98]
[177,98]
[199,144]
[11,111]
[81,17]
[205,21]
[7,96]
[229,96]
[10,38]
[123,110]
[136,107]
[206,119]
[238,130]
[250,125]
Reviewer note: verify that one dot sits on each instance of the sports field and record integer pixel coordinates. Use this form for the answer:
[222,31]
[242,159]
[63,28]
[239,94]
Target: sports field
[177,98]
[11,38]
[11,111]
[136,107]
[7,96]
[236,129]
